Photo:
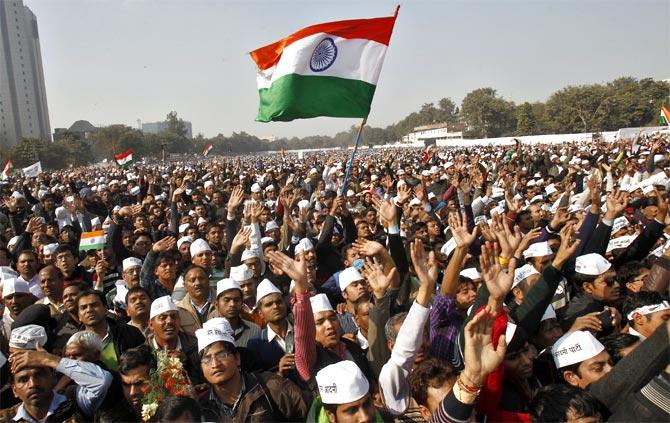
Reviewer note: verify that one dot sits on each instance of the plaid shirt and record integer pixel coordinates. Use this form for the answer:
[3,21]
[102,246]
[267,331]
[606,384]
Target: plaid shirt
[445,324]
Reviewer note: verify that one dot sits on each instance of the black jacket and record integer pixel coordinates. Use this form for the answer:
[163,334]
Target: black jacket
[124,336]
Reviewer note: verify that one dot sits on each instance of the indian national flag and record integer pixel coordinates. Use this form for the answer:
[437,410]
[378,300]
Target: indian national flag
[329,69]
[92,240]
[125,158]
[664,117]
[207,150]
[7,171]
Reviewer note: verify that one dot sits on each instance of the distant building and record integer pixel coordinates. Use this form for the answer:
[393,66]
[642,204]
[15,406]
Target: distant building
[430,134]
[269,138]
[158,127]
[23,98]
[81,129]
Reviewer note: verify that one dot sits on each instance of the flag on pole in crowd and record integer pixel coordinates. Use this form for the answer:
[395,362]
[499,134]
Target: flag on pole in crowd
[92,240]
[33,170]
[664,117]
[328,69]
[7,171]
[207,150]
[124,159]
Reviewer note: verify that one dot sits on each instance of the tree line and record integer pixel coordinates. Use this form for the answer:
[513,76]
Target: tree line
[483,113]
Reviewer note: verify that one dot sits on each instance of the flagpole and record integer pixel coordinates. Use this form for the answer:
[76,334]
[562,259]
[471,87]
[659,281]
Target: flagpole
[353,154]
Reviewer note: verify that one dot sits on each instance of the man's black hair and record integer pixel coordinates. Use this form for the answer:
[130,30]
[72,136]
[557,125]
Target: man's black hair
[136,357]
[88,292]
[553,403]
[136,289]
[640,299]
[628,271]
[172,408]
[616,342]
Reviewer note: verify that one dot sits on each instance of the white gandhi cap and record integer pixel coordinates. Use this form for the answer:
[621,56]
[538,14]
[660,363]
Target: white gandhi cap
[349,276]
[264,289]
[320,303]
[214,330]
[592,264]
[198,246]
[162,305]
[575,347]
[342,383]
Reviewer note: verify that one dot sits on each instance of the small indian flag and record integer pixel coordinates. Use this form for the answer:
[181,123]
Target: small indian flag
[92,240]
[207,150]
[7,171]
[328,69]
[664,117]
[124,159]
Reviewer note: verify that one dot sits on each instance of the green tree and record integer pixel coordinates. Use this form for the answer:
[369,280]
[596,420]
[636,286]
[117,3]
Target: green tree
[448,111]
[486,114]
[175,125]
[526,124]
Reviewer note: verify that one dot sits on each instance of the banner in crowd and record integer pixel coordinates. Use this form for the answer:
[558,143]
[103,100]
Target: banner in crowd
[124,159]
[92,240]
[33,170]
[328,69]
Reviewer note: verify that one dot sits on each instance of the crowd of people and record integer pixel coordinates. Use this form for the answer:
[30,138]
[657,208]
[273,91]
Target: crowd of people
[518,283]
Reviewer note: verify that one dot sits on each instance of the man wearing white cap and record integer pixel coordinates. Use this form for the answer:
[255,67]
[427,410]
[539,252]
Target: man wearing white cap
[645,311]
[203,256]
[131,268]
[229,306]
[272,230]
[354,289]
[599,287]
[275,344]
[240,396]
[244,276]
[167,335]
[51,283]
[16,297]
[344,395]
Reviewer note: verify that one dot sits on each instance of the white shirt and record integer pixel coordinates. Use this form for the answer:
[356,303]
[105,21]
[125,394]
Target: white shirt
[636,333]
[362,341]
[286,344]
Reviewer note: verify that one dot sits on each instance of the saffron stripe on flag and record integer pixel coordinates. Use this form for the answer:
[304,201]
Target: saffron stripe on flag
[92,240]
[375,29]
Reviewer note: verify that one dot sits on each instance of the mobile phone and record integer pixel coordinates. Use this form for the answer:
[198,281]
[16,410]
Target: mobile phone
[605,318]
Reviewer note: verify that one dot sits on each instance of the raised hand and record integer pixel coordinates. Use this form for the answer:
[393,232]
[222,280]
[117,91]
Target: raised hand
[480,357]
[403,193]
[386,209]
[498,279]
[338,204]
[560,217]
[236,198]
[368,248]
[425,265]
[459,230]
[527,240]
[374,274]
[165,244]
[241,239]
[508,240]
[294,269]
[616,203]
[568,246]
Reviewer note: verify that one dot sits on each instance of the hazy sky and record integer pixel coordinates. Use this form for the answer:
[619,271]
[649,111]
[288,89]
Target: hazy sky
[116,61]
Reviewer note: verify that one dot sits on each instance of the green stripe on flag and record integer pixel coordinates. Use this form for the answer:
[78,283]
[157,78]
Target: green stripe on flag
[84,247]
[296,96]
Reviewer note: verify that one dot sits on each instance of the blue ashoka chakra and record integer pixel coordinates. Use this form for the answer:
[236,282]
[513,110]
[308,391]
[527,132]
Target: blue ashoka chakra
[324,55]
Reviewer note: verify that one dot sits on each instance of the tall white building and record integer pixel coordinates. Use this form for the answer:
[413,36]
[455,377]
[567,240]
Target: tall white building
[23,97]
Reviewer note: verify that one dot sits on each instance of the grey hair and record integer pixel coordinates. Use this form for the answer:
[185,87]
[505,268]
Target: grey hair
[390,327]
[88,340]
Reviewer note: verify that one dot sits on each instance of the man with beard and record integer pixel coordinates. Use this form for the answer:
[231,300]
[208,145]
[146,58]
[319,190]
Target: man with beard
[16,297]
[116,336]
[34,381]
[229,305]
[51,283]
[236,395]
[275,344]
[167,336]
[130,274]
[198,305]
[138,304]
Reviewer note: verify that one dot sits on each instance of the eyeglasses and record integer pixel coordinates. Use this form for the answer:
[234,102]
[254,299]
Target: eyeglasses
[219,357]
[610,280]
